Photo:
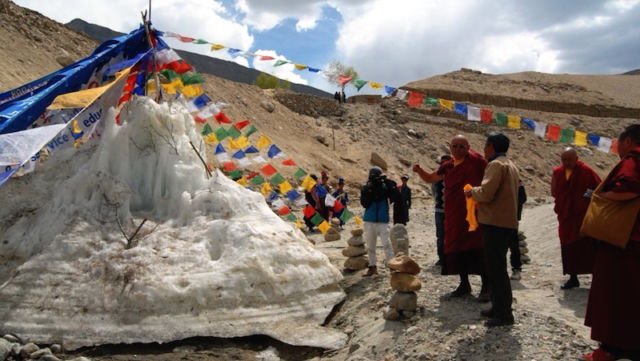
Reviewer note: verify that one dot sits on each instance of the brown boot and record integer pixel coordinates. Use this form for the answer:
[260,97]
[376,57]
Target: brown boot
[372,270]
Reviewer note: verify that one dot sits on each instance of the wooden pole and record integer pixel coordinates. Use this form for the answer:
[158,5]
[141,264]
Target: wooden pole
[206,168]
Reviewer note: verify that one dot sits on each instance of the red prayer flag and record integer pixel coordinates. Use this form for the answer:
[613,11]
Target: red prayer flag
[284,210]
[185,39]
[308,211]
[415,99]
[614,146]
[179,66]
[337,206]
[251,175]
[241,124]
[553,132]
[268,170]
[229,166]
[344,79]
[200,119]
[266,57]
[288,162]
[222,118]
[486,115]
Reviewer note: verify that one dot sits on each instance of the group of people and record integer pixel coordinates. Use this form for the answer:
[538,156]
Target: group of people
[317,195]
[340,97]
[478,205]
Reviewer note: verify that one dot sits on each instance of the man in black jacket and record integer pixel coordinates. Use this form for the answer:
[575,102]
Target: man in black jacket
[402,202]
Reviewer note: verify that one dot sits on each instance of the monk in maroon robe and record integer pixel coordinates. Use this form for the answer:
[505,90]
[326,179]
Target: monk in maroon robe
[463,250]
[571,186]
[613,311]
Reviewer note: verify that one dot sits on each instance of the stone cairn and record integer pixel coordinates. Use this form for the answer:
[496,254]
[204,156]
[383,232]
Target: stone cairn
[12,348]
[355,252]
[333,234]
[404,301]
[524,251]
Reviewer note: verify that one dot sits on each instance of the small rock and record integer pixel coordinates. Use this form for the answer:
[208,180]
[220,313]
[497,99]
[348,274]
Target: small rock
[404,301]
[331,237]
[391,315]
[376,159]
[404,161]
[352,251]
[5,349]
[356,263]
[28,349]
[357,232]
[349,330]
[37,354]
[404,264]
[321,139]
[355,241]
[268,106]
[15,349]
[405,282]
[354,347]
[11,338]
[55,348]
[530,169]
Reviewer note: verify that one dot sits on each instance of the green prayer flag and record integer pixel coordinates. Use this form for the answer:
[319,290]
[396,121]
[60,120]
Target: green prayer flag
[317,219]
[567,135]
[234,133]
[192,78]
[252,129]
[200,41]
[291,217]
[280,62]
[206,130]
[257,180]
[346,216]
[169,74]
[221,133]
[431,101]
[359,83]
[236,174]
[277,179]
[299,173]
[502,119]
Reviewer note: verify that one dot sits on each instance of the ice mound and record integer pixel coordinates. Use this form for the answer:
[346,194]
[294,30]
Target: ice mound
[212,259]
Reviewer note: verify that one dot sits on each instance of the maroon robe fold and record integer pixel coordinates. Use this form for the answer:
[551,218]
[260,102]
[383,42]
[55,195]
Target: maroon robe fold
[463,249]
[613,310]
[571,206]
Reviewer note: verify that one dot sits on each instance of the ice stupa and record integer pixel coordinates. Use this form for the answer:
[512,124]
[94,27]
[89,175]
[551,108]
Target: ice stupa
[211,260]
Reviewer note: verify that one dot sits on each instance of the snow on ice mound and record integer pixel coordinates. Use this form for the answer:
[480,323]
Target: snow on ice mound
[212,259]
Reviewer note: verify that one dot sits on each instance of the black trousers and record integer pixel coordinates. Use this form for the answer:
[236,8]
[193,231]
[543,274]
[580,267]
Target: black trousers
[496,243]
[439,218]
[514,247]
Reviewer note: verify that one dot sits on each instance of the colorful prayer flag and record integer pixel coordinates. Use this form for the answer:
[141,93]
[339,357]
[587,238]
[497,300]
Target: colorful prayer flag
[241,124]
[486,115]
[358,220]
[324,227]
[266,57]
[242,181]
[263,141]
[289,162]
[222,118]
[359,83]
[308,211]
[313,70]
[346,216]
[235,174]
[273,151]
[291,217]
[233,132]
[431,101]
[268,170]
[446,104]
[501,119]
[329,200]
[401,94]
[206,130]
[580,139]
[292,195]
[460,108]
[553,132]
[513,121]
[299,173]
[375,85]
[337,206]
[614,146]
[277,179]
[192,78]
[229,166]
[415,99]
[280,62]
[285,187]
[251,150]
[344,79]
[257,180]
[300,66]
[215,47]
[265,189]
[567,135]
[211,139]
[220,150]
[192,90]
[389,90]
[530,123]
[238,155]
[283,211]
[308,183]
[604,145]
[221,133]
[540,129]
[252,129]
[593,139]
[317,219]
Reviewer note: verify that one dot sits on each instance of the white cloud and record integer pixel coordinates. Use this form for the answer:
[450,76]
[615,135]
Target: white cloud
[286,71]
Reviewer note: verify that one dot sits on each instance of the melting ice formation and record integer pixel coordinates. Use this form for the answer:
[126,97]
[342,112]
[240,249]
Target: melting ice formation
[213,259]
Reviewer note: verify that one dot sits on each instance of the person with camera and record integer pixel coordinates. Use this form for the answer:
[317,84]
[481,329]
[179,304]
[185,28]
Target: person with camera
[374,198]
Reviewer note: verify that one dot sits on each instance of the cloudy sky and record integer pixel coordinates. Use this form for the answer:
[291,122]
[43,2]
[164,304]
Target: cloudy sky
[390,41]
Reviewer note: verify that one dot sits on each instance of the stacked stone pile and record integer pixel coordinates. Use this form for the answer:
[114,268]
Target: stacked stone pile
[355,252]
[404,301]
[399,239]
[524,251]
[333,234]
[13,349]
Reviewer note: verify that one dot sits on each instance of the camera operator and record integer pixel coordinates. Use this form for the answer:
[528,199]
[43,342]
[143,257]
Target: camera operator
[374,197]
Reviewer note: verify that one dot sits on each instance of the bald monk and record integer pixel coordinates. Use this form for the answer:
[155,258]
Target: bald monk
[613,311]
[571,186]
[463,250]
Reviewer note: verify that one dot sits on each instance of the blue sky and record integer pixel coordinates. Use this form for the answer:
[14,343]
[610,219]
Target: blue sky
[389,41]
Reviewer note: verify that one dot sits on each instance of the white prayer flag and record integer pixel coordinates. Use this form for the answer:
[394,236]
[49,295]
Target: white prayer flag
[259,159]
[244,162]
[222,157]
[473,114]
[401,94]
[604,145]
[540,129]
[329,201]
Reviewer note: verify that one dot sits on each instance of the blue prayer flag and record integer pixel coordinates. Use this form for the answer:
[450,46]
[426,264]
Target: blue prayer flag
[251,149]
[389,89]
[220,149]
[530,123]
[292,195]
[461,108]
[273,151]
[313,70]
[593,139]
[238,155]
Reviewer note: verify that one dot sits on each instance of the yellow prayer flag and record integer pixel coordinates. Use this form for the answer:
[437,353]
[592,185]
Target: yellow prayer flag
[581,139]
[263,141]
[215,47]
[300,66]
[357,220]
[192,90]
[285,187]
[242,142]
[173,87]
[265,189]
[324,227]
[299,223]
[233,144]
[308,183]
[513,121]
[375,85]
[242,181]
[446,104]
[211,139]
[79,99]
